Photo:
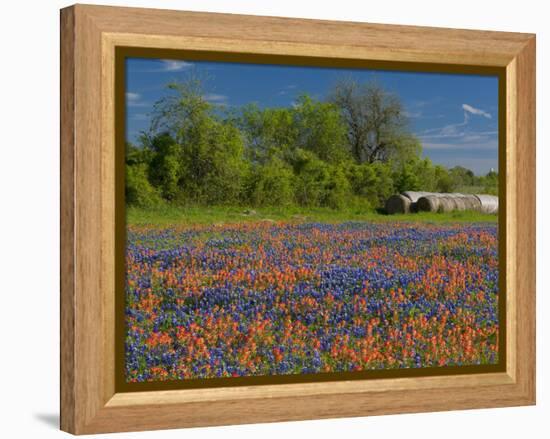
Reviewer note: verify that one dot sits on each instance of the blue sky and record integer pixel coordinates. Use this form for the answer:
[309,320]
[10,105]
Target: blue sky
[455,116]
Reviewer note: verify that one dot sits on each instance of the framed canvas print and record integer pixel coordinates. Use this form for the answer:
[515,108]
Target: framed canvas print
[267,219]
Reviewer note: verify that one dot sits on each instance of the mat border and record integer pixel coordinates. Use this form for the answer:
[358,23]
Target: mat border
[90,38]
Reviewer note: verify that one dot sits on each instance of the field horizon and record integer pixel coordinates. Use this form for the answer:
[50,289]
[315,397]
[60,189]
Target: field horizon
[166,215]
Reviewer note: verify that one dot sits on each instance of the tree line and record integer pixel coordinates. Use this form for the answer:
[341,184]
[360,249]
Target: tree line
[353,149]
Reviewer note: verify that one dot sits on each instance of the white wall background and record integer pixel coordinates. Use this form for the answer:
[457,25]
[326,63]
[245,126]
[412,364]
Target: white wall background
[29,219]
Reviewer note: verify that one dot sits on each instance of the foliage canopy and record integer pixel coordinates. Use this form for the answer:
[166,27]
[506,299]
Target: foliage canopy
[354,149]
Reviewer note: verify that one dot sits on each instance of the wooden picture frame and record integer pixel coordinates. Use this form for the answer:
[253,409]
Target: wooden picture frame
[90,36]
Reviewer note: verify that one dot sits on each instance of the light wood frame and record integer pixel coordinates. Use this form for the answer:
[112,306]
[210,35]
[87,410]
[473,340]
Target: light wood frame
[89,36]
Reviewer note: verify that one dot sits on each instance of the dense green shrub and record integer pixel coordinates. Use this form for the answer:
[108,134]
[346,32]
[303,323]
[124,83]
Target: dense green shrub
[415,175]
[312,179]
[370,181]
[271,184]
[139,192]
[443,180]
[165,169]
[267,132]
[337,189]
[215,166]
[407,179]
[320,129]
[461,176]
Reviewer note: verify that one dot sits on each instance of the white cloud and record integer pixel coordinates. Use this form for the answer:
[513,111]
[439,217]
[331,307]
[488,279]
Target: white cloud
[133,96]
[460,136]
[438,145]
[412,114]
[215,98]
[476,136]
[469,144]
[134,100]
[169,65]
[287,89]
[458,130]
[451,130]
[165,65]
[469,109]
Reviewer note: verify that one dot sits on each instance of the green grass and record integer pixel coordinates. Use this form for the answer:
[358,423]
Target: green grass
[230,214]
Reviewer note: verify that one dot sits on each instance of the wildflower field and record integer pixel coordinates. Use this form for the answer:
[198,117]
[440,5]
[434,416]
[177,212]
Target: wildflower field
[268,298]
